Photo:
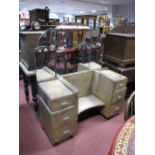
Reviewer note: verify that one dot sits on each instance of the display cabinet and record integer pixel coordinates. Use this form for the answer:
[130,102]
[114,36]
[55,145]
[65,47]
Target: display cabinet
[104,24]
[54,22]
[86,20]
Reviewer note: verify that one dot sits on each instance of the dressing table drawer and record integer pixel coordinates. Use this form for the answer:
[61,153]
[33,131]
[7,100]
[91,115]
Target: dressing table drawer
[64,117]
[118,95]
[63,133]
[61,103]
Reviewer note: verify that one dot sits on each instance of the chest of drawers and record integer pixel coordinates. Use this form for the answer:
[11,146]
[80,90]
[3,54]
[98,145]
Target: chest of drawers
[58,105]
[113,88]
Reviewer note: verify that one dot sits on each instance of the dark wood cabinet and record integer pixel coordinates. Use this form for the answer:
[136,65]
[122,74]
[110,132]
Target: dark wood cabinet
[120,48]
[39,14]
[29,41]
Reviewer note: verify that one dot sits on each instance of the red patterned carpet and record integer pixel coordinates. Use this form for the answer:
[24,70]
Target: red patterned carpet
[94,136]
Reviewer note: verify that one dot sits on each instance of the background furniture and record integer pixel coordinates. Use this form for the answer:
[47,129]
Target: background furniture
[54,21]
[29,40]
[104,24]
[120,48]
[34,58]
[119,53]
[86,20]
[128,71]
[39,14]
[64,53]
[67,42]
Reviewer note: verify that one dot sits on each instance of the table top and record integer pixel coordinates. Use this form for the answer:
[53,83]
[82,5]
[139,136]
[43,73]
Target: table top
[127,35]
[124,142]
[31,32]
[26,71]
[63,50]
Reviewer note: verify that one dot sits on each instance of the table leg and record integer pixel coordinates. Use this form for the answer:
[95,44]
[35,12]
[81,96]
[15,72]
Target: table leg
[26,83]
[34,95]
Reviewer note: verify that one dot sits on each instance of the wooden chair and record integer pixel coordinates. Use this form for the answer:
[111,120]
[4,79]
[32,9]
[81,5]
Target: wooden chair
[130,107]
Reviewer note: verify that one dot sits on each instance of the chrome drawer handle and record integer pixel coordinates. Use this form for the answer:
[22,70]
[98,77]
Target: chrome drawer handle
[64,104]
[66,132]
[121,84]
[66,119]
[116,108]
[119,97]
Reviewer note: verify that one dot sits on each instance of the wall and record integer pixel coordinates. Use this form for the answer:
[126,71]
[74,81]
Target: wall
[126,11]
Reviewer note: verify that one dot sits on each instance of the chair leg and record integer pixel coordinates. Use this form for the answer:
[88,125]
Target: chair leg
[65,63]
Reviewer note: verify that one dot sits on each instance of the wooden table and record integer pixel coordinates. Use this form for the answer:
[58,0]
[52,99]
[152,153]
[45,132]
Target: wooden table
[29,78]
[124,142]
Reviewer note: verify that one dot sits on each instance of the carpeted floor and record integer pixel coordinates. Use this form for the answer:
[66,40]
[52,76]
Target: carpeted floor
[94,135]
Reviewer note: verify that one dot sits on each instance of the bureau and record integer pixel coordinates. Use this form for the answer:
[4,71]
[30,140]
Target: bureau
[58,109]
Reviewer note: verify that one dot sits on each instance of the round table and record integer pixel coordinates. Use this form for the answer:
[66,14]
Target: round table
[124,141]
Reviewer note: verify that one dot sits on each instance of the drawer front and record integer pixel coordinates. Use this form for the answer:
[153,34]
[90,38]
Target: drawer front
[62,103]
[118,95]
[121,84]
[111,110]
[64,117]
[63,133]
[115,109]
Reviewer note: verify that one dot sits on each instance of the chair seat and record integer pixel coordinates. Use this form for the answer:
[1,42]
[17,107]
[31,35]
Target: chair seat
[44,74]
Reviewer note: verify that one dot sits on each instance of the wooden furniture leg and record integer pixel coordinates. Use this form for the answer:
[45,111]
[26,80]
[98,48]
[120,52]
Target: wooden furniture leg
[34,95]
[26,87]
